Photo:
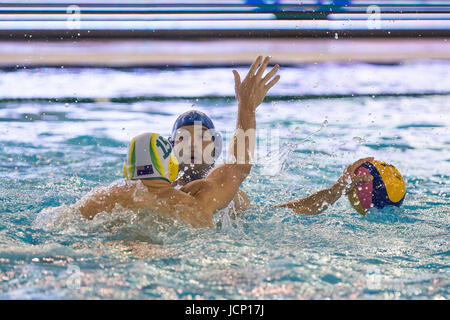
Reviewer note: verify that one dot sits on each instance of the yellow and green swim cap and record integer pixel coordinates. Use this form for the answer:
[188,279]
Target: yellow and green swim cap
[150,157]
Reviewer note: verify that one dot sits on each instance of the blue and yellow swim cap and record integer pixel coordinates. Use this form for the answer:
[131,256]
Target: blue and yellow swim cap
[150,157]
[386,189]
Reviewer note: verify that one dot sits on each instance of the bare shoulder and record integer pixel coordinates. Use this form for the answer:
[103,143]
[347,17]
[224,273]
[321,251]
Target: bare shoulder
[104,198]
[193,187]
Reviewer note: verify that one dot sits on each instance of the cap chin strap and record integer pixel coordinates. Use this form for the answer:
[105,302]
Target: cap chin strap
[154,178]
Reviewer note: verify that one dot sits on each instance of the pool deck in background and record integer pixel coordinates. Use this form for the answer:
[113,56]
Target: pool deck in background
[123,53]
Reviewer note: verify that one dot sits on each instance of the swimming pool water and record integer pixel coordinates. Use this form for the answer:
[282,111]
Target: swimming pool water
[65,131]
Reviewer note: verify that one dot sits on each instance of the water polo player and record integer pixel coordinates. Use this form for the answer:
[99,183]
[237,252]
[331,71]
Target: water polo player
[150,167]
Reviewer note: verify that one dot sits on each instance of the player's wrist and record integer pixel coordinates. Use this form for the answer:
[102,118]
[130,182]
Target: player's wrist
[246,119]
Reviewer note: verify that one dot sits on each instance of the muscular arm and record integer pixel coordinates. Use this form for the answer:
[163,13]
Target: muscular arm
[196,202]
[319,201]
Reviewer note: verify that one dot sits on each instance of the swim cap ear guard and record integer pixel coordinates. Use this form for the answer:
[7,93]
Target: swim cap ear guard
[150,157]
[387,188]
[193,117]
[217,137]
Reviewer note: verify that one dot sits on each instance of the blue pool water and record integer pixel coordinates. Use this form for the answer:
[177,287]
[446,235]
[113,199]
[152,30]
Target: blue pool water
[64,131]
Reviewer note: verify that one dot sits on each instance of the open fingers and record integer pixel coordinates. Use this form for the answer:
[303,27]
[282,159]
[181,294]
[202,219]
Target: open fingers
[271,73]
[272,83]
[263,67]
[254,66]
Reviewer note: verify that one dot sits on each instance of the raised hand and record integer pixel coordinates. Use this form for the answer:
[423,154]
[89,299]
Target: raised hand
[251,92]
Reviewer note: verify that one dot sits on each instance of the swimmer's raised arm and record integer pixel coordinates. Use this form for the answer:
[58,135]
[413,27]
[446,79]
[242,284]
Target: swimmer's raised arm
[241,201]
[221,185]
[249,96]
[319,201]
